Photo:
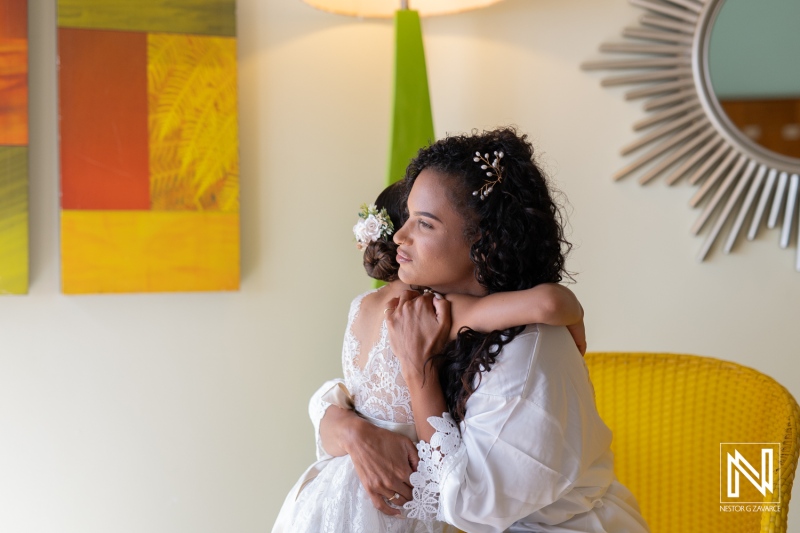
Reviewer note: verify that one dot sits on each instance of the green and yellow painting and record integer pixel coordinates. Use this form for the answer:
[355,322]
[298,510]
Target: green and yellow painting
[13,146]
[149,145]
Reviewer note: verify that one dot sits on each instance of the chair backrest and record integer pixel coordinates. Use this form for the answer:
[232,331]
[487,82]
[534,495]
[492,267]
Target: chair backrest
[671,413]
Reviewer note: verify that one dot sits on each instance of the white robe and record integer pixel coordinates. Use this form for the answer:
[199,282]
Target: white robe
[535,455]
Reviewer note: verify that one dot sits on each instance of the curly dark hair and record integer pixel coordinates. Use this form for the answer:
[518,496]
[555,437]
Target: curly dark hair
[516,234]
[380,257]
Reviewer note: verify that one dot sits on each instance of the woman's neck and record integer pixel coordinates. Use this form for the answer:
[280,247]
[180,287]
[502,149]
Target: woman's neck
[470,287]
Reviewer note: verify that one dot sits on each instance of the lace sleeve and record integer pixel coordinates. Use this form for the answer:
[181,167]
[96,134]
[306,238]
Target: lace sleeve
[317,407]
[433,459]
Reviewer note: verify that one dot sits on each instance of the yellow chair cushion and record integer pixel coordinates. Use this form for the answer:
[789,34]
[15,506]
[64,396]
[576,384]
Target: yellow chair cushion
[670,413]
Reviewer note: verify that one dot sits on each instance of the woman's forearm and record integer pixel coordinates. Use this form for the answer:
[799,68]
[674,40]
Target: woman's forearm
[418,328]
[383,460]
[427,400]
[338,428]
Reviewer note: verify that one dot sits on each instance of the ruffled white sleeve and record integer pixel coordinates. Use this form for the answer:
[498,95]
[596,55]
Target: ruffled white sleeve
[443,449]
[317,407]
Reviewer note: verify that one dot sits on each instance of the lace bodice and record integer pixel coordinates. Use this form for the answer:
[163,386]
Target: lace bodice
[374,379]
[379,391]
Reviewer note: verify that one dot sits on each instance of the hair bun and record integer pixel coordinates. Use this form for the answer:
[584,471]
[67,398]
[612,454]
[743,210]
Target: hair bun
[380,260]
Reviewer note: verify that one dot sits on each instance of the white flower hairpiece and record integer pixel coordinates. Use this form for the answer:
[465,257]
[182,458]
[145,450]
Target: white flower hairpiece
[492,169]
[373,225]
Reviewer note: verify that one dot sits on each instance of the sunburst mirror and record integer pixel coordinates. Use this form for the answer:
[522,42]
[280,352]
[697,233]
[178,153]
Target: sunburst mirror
[721,84]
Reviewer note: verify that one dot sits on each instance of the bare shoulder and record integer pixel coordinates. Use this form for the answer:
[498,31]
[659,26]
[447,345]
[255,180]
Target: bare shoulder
[375,301]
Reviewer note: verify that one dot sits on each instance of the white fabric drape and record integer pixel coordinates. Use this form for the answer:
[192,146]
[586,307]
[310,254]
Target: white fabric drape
[535,455]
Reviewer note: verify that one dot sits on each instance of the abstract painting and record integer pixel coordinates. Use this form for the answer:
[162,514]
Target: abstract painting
[13,146]
[149,145]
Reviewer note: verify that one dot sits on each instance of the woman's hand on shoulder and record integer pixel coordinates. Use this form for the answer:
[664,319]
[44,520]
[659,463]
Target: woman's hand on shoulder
[419,327]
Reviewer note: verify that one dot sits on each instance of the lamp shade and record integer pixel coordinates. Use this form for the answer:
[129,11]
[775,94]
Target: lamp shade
[387,8]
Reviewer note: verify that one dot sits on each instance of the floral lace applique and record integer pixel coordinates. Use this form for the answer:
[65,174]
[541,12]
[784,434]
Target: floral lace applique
[433,457]
[378,388]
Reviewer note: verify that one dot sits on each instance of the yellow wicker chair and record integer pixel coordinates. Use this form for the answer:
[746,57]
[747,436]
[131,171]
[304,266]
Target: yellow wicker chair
[670,413]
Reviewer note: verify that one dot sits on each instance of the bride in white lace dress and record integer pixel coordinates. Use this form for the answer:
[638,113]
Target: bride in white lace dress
[329,497]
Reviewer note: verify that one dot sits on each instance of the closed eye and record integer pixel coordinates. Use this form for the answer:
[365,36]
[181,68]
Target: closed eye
[425,224]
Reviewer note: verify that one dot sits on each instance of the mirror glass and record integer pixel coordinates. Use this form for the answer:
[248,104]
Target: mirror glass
[754,64]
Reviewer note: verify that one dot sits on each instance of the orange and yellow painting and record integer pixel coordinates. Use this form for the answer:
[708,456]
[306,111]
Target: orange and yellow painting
[13,146]
[149,146]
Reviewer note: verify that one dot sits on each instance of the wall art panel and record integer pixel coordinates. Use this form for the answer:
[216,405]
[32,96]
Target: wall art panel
[149,146]
[13,146]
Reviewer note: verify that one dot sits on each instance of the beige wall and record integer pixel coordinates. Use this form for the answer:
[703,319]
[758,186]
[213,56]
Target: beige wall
[187,412]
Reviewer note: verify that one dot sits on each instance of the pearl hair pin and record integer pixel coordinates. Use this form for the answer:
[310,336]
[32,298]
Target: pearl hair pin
[492,169]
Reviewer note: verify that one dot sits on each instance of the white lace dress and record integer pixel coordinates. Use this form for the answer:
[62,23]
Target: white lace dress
[329,497]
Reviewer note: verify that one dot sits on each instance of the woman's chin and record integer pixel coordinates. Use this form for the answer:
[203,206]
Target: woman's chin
[406,276]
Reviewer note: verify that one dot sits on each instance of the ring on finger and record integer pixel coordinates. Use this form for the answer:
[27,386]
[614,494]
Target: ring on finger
[396,495]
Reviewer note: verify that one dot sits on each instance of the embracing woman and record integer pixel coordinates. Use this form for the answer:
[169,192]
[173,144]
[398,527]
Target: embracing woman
[329,497]
[510,437]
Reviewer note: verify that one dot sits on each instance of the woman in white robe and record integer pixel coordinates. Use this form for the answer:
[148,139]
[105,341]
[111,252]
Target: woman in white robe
[533,454]
[523,448]
[329,498]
